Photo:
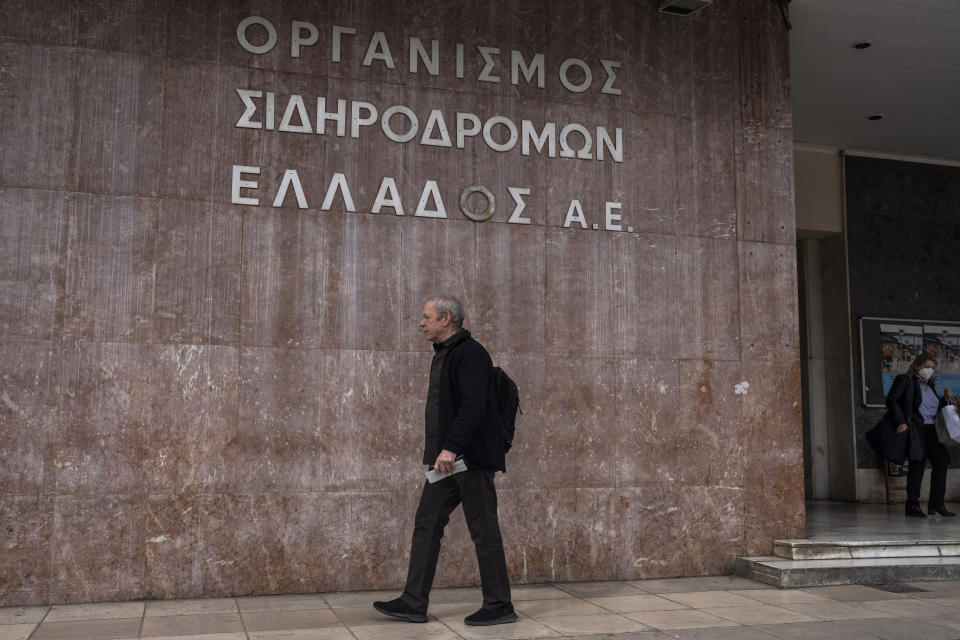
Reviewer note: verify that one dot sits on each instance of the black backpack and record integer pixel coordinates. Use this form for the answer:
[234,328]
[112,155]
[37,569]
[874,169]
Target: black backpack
[508,403]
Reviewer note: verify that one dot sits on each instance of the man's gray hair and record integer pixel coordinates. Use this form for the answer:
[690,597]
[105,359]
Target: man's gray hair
[445,303]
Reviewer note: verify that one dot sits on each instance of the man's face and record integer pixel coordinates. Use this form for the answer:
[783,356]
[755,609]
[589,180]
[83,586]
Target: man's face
[433,328]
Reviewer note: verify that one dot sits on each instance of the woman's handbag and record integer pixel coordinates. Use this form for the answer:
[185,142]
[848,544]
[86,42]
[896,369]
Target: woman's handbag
[947,425]
[889,444]
[884,438]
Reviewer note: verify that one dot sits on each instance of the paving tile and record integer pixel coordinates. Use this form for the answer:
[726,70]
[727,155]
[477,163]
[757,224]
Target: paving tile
[592,623]
[95,611]
[949,622]
[459,611]
[627,604]
[522,628]
[88,629]
[593,589]
[537,592]
[949,602]
[330,633]
[195,624]
[367,616]
[405,631]
[937,589]
[852,593]
[814,631]
[707,583]
[299,619]
[783,596]
[188,607]
[451,596]
[710,599]
[203,636]
[900,629]
[16,631]
[568,606]
[759,614]
[722,633]
[835,611]
[22,615]
[679,619]
[282,603]
[358,598]
[910,607]
[635,635]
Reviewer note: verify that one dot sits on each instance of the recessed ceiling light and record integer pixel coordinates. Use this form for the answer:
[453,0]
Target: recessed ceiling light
[875,116]
[862,45]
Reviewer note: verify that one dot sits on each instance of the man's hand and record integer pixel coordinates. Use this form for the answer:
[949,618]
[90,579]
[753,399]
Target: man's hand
[445,460]
[901,428]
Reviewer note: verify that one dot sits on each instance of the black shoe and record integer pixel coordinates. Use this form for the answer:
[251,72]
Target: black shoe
[915,511]
[400,609]
[487,617]
[941,510]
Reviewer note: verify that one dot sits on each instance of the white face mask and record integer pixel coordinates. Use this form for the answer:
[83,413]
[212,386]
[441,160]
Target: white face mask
[925,373]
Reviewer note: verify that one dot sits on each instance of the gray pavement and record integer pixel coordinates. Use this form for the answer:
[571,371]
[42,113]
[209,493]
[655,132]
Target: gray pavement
[717,608]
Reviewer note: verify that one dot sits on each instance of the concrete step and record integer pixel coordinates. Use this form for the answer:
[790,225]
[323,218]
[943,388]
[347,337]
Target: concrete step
[787,573]
[864,549]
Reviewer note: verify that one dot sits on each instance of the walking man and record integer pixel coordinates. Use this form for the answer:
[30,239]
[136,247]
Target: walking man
[461,420]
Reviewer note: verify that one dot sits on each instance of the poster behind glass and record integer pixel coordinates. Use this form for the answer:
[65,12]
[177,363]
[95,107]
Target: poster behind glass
[889,345]
[943,343]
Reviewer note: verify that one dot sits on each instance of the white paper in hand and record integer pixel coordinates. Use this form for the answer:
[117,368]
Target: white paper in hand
[458,466]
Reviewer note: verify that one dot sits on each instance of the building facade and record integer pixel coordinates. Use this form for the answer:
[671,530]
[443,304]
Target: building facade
[219,221]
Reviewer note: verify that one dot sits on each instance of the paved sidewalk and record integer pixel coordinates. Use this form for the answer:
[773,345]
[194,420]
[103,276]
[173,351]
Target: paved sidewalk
[721,608]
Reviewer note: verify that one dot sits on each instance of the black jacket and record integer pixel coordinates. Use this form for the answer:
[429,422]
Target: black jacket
[469,422]
[898,411]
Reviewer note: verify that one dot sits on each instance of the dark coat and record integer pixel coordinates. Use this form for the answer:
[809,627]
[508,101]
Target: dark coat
[469,422]
[898,412]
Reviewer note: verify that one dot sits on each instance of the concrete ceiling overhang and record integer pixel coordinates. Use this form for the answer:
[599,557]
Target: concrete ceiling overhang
[910,75]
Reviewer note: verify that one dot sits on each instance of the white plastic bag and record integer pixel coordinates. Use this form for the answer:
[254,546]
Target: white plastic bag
[948,426]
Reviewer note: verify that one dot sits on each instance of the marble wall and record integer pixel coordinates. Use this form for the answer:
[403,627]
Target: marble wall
[203,398]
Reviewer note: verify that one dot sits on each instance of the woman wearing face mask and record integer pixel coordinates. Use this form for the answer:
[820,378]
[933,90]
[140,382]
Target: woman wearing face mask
[924,445]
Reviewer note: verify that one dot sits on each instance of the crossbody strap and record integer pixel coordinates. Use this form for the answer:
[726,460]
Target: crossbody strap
[908,413]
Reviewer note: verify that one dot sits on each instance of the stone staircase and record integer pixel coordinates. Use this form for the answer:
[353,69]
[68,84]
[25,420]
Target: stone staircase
[814,563]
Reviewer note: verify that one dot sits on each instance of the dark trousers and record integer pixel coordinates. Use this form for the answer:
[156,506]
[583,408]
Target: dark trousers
[475,489]
[939,458]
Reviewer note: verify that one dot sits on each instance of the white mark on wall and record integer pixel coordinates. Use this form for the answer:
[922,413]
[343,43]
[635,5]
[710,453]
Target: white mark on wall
[162,538]
[10,404]
[189,383]
[552,516]
[637,562]
[741,388]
